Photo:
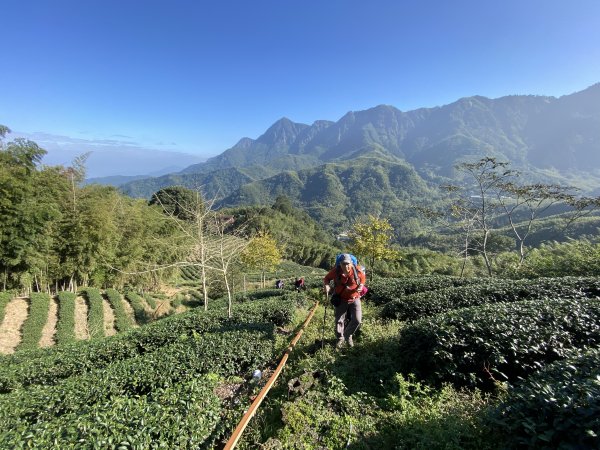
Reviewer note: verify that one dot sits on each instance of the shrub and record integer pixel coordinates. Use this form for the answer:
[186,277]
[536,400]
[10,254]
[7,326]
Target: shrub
[383,290]
[424,304]
[501,342]
[559,407]
[39,305]
[122,320]
[65,326]
[95,312]
[49,366]
[5,297]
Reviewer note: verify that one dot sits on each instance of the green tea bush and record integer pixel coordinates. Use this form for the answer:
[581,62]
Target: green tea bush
[137,303]
[227,351]
[182,416]
[384,290]
[134,388]
[499,342]
[559,407]
[122,320]
[150,300]
[5,297]
[49,366]
[65,325]
[39,305]
[426,304]
[95,312]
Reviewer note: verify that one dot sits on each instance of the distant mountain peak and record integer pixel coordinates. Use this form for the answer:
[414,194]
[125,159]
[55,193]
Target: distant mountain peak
[282,132]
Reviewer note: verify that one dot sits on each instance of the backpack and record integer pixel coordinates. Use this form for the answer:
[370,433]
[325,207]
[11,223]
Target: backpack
[338,259]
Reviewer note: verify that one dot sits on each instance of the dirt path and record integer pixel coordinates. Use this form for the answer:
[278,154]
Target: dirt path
[15,314]
[47,339]
[109,319]
[81,322]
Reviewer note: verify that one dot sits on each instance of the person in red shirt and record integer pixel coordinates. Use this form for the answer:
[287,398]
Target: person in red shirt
[348,283]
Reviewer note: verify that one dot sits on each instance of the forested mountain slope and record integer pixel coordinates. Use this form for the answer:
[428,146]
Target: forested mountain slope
[555,137]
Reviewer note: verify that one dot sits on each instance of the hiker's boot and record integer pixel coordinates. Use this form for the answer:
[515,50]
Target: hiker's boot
[350,342]
[340,343]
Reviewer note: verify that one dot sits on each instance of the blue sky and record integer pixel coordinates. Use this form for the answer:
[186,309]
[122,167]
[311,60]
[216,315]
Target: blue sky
[196,76]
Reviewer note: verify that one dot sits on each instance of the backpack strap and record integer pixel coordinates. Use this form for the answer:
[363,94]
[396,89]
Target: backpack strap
[338,278]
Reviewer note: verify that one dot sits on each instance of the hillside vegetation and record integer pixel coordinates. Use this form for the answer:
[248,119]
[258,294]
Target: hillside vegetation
[459,379]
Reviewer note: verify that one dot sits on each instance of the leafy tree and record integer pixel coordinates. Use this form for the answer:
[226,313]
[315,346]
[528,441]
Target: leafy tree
[261,253]
[24,211]
[371,239]
[179,201]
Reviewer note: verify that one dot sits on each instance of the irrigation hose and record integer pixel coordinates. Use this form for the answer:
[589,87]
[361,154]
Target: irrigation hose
[237,433]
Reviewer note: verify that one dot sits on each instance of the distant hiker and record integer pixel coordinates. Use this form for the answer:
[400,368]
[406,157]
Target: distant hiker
[348,282]
[299,284]
[279,284]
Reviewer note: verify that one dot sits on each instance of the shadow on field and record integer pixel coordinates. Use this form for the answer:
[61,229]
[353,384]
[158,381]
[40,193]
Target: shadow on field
[369,366]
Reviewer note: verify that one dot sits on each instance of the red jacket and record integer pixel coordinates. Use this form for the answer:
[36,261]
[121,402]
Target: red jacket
[346,286]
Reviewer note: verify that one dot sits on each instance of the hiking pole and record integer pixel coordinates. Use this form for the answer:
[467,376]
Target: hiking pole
[324,318]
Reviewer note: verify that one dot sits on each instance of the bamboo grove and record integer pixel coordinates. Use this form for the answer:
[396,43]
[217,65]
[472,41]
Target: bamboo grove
[56,234]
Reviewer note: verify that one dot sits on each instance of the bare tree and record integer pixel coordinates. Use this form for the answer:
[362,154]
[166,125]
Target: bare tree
[535,199]
[225,249]
[489,176]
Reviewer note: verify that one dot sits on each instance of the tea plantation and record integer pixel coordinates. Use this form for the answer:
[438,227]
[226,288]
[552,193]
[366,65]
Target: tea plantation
[439,362]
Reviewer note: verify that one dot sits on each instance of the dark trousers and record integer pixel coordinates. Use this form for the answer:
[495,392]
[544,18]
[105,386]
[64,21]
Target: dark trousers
[355,311]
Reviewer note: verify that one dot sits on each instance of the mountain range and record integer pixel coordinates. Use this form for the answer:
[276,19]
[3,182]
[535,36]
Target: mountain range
[389,155]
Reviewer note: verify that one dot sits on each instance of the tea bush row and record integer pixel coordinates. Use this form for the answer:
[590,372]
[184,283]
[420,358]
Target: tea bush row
[139,310]
[227,351]
[47,366]
[559,407]
[499,342]
[186,415]
[383,290]
[65,325]
[150,300]
[426,304]
[5,298]
[122,320]
[95,319]
[31,332]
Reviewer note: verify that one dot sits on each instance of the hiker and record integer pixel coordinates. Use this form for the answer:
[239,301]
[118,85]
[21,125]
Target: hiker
[349,282]
[299,284]
[279,284]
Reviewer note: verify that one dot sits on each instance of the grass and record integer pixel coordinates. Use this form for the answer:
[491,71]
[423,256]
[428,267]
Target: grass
[357,398]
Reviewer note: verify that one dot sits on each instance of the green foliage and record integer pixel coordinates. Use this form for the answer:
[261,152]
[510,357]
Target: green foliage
[139,310]
[559,407]
[301,239]
[576,258]
[49,366]
[95,317]
[371,239]
[355,399]
[65,325]
[53,232]
[39,305]
[179,202]
[384,290]
[231,350]
[503,341]
[122,320]
[261,253]
[5,297]
[180,416]
[476,292]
